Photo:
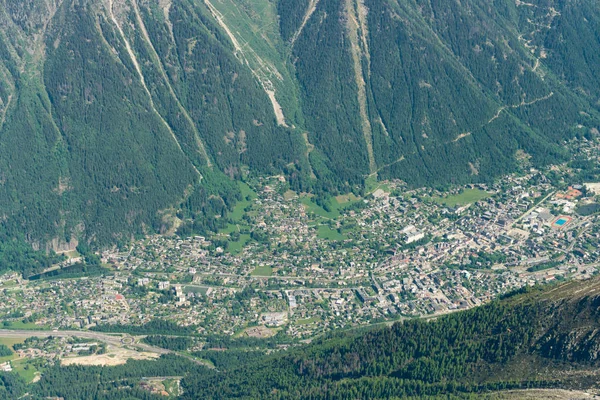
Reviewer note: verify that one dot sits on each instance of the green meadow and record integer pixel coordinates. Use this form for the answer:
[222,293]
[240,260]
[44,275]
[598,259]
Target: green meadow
[467,196]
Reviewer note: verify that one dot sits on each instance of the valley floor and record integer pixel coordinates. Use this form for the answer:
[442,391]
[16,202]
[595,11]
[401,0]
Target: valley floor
[290,267]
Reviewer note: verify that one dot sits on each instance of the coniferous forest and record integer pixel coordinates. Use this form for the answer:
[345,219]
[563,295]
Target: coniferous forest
[117,118]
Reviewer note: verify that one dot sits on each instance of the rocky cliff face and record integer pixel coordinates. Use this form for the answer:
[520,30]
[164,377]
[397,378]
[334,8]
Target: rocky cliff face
[574,334]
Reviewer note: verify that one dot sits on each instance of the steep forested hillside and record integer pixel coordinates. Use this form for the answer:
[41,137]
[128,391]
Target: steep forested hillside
[443,91]
[121,117]
[117,112]
[535,339]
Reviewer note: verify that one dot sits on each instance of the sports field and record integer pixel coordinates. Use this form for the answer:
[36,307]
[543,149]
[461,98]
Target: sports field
[467,196]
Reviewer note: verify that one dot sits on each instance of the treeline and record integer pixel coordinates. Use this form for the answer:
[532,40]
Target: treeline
[97,153]
[12,385]
[291,14]
[544,266]
[228,342]
[230,359]
[110,383]
[154,327]
[4,350]
[169,343]
[18,255]
[101,383]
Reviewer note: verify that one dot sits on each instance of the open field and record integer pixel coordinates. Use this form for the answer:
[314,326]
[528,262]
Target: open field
[593,187]
[239,210]
[195,289]
[308,321]
[467,196]
[8,284]
[336,205]
[71,254]
[290,194]
[236,247]
[259,332]
[7,358]
[114,356]
[346,198]
[229,229]
[264,270]
[248,195]
[325,232]
[312,207]
[10,341]
[172,386]
[372,184]
[25,326]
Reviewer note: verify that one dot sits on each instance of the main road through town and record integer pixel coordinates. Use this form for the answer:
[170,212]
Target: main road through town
[115,340]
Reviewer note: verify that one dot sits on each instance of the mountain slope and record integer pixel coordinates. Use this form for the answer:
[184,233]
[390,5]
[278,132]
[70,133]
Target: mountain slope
[110,118]
[540,338]
[452,89]
[118,115]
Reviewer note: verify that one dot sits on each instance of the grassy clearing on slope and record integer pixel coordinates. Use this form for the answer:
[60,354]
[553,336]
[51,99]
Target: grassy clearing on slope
[325,232]
[235,247]
[372,184]
[336,204]
[311,207]
[346,198]
[229,229]
[248,195]
[289,195]
[72,254]
[25,369]
[172,387]
[467,196]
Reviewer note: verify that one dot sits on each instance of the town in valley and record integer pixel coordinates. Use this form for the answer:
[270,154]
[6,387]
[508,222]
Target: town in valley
[289,269]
